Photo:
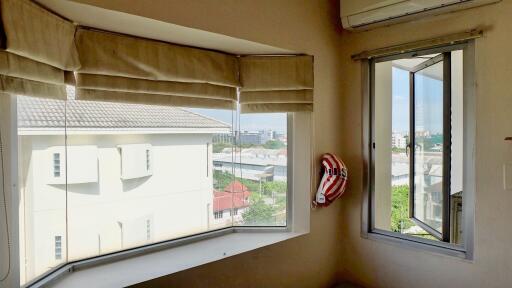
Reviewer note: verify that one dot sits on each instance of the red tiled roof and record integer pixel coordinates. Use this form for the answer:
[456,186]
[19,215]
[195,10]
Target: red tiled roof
[225,200]
[236,187]
[235,195]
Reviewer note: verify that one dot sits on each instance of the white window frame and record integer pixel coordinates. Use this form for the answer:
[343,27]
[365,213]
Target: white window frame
[173,255]
[368,230]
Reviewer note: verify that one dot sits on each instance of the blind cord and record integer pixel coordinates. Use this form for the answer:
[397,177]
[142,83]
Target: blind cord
[5,211]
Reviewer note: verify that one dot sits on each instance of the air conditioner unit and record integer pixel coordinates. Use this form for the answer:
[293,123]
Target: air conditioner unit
[367,14]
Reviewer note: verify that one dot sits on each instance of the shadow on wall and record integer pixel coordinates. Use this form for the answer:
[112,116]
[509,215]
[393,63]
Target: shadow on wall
[130,184]
[82,188]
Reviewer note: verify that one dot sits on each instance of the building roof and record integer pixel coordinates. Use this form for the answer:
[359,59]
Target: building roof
[47,113]
[253,156]
[226,200]
[235,195]
[236,187]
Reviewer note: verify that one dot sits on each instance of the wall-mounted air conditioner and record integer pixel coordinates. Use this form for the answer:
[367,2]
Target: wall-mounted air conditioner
[366,14]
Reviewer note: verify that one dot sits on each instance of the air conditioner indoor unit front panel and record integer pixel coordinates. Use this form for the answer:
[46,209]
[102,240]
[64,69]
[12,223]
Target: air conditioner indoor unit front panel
[379,13]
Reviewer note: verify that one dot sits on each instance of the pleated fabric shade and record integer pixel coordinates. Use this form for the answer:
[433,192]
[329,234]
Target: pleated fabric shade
[37,46]
[276,84]
[146,71]
[41,53]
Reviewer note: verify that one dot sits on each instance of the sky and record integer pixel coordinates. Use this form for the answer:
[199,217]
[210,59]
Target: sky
[248,122]
[429,95]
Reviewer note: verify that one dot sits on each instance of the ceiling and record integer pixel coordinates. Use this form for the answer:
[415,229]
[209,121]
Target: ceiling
[115,21]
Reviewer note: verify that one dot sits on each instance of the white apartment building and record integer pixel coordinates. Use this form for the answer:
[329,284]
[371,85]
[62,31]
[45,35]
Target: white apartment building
[131,175]
[398,140]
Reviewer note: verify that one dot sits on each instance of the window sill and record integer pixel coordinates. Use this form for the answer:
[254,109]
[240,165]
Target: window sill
[411,242]
[164,262]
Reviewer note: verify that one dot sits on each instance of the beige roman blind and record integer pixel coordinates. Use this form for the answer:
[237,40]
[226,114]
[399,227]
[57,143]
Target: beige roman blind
[41,52]
[276,84]
[36,48]
[129,69]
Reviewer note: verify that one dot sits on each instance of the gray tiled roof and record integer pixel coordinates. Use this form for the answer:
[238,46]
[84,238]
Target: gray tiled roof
[47,113]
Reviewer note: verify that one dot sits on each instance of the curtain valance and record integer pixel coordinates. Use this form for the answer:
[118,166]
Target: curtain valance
[41,52]
[24,87]
[129,64]
[110,54]
[33,32]
[153,99]
[276,83]
[123,84]
[37,46]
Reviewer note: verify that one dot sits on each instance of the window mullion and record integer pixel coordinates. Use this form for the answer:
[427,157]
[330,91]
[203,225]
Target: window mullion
[412,144]
[447,143]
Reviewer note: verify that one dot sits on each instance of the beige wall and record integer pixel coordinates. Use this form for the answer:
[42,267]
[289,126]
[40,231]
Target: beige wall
[311,27]
[377,264]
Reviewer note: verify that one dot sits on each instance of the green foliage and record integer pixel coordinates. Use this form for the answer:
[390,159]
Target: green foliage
[259,213]
[430,142]
[223,179]
[280,201]
[253,186]
[274,144]
[246,145]
[218,147]
[397,150]
[400,208]
[274,186]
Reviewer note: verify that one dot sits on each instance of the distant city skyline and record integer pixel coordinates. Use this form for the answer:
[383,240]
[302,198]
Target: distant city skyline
[248,122]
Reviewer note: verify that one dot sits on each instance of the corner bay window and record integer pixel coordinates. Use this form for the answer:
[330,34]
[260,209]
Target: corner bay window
[138,174]
[117,161]
[417,146]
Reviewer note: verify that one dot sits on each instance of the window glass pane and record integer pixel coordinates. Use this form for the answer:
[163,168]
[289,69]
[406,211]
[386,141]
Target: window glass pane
[391,160]
[260,186]
[428,155]
[128,175]
[99,177]
[391,205]
[42,185]
[151,183]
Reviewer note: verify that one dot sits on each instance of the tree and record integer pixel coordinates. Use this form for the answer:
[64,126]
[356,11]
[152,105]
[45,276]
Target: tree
[274,144]
[400,208]
[278,187]
[224,178]
[218,147]
[258,213]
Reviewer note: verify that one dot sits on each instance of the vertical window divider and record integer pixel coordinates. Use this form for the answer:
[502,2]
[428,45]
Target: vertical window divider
[447,143]
[412,142]
[66,177]
[372,147]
